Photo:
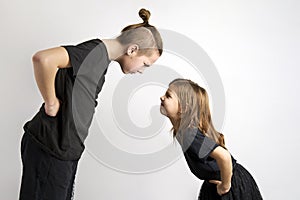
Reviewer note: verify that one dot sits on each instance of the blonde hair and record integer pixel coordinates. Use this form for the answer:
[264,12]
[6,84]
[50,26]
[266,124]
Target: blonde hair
[143,34]
[195,112]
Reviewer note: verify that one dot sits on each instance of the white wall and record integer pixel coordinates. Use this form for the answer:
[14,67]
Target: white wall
[253,44]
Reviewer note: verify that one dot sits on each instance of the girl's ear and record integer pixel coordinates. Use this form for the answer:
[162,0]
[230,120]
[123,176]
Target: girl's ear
[132,50]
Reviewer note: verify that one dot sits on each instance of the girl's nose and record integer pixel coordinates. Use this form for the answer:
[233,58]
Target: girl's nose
[162,98]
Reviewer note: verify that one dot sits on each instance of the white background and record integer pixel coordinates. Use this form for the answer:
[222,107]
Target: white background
[254,45]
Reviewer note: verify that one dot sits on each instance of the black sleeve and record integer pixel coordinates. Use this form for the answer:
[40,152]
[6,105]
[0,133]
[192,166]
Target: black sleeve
[200,146]
[78,53]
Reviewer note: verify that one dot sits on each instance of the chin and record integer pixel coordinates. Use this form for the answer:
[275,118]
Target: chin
[124,72]
[123,69]
[163,111]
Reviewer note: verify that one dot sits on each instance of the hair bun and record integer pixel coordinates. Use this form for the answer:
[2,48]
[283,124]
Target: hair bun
[145,15]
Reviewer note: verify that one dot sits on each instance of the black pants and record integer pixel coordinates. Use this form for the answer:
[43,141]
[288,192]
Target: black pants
[44,176]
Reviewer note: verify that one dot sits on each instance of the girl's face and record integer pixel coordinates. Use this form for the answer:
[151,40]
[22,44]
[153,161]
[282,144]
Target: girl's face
[132,62]
[170,104]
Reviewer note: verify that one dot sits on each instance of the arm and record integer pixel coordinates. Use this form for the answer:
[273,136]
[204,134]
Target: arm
[223,158]
[45,64]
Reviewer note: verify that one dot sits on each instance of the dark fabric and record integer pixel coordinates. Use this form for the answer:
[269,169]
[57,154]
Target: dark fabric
[197,148]
[243,187]
[44,176]
[77,88]
[78,53]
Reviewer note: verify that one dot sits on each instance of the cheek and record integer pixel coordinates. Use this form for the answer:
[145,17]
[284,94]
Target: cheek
[131,63]
[125,64]
[175,109]
[137,63]
[167,110]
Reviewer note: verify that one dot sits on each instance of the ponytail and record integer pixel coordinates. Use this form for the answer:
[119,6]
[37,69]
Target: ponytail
[143,34]
[145,15]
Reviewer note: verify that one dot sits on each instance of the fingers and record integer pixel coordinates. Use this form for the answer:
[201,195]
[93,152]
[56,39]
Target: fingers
[220,189]
[215,182]
[52,110]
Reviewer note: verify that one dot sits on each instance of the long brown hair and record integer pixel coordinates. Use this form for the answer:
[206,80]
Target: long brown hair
[143,34]
[195,112]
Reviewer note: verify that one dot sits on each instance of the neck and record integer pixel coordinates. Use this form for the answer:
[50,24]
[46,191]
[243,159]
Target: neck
[114,48]
[173,121]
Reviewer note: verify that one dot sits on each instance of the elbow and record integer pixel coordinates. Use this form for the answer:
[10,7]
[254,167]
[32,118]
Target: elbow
[39,58]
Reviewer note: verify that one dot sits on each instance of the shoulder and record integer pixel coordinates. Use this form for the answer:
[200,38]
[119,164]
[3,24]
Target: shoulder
[86,45]
[94,48]
[196,142]
[189,137]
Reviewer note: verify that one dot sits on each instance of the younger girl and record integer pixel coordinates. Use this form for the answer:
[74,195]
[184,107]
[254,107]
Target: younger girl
[186,105]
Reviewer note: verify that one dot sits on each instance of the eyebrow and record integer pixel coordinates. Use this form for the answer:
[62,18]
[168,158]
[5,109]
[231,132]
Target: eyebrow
[168,93]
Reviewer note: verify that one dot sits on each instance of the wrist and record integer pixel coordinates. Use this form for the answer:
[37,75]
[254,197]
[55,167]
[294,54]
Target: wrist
[225,186]
[51,101]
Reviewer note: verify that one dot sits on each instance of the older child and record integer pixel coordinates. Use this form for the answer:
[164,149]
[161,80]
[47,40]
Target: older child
[69,79]
[186,105]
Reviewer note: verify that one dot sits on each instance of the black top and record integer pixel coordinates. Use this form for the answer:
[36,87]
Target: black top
[197,148]
[77,87]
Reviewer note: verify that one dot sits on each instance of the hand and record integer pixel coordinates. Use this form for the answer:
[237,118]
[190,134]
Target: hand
[52,109]
[221,188]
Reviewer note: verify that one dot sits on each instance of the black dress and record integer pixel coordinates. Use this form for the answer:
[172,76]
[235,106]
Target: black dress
[197,148]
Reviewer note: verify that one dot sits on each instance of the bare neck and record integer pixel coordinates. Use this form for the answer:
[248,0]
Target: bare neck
[173,121]
[114,48]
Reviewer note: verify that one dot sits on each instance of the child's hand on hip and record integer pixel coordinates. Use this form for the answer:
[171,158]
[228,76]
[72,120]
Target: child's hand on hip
[221,187]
